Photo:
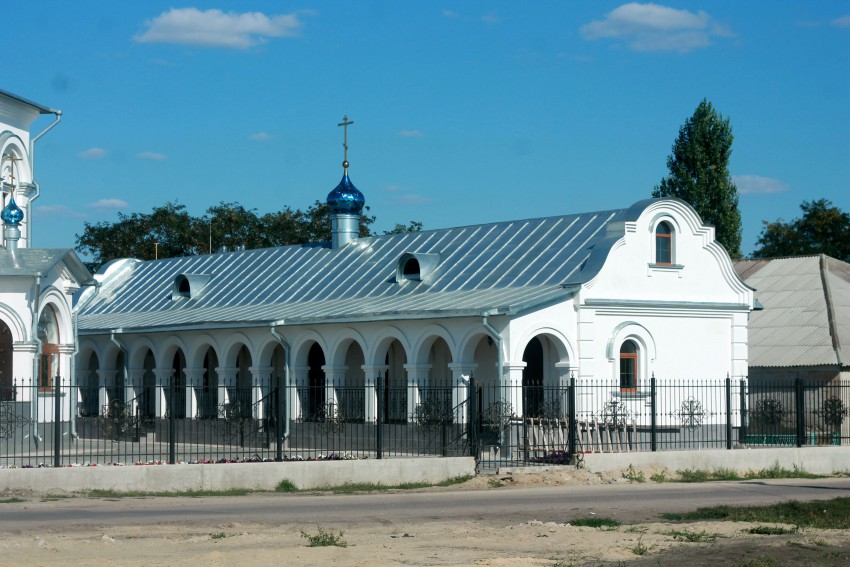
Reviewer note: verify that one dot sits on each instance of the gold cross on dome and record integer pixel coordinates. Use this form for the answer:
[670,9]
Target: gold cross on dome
[345,124]
[12,158]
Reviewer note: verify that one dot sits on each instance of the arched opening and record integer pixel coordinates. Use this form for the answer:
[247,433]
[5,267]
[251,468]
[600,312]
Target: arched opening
[6,363]
[629,366]
[48,335]
[244,381]
[315,383]
[147,405]
[352,398]
[115,391]
[89,383]
[439,376]
[178,377]
[209,391]
[395,384]
[532,379]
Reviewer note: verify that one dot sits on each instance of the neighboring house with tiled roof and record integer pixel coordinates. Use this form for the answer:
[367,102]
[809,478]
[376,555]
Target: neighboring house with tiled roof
[803,331]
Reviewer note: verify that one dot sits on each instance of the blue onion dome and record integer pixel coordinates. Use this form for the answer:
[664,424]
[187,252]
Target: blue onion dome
[346,199]
[12,213]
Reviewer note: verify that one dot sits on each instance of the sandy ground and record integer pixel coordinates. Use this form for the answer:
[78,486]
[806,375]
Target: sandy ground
[450,543]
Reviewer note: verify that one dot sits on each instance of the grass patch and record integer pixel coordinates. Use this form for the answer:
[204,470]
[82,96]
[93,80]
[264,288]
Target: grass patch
[218,535]
[286,485]
[352,487]
[770,530]
[595,522]
[776,471]
[763,561]
[640,548]
[659,477]
[324,538]
[824,514]
[167,494]
[633,475]
[12,500]
[692,537]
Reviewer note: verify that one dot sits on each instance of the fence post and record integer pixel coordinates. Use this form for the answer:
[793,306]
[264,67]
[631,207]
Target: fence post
[571,400]
[800,406]
[172,424]
[742,437]
[280,415]
[379,434]
[728,412]
[57,422]
[653,423]
[472,418]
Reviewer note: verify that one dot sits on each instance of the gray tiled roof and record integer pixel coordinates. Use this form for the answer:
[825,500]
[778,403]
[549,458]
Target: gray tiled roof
[806,315]
[508,267]
[37,261]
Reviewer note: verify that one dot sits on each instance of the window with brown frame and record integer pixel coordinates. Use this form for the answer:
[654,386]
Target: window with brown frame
[48,334]
[628,366]
[663,244]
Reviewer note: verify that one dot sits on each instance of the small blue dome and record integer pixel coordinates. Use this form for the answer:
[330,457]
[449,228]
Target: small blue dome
[346,198]
[13,214]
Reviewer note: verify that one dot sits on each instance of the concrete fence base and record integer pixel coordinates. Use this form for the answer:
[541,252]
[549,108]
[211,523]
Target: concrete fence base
[253,476]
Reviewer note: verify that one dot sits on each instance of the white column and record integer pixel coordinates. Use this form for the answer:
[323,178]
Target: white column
[372,374]
[134,388]
[104,377]
[163,385]
[194,388]
[417,377]
[512,391]
[226,381]
[334,389]
[260,388]
[564,371]
[298,395]
[461,373]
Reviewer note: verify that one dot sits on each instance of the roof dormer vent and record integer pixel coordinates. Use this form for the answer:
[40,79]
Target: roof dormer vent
[415,267]
[189,285]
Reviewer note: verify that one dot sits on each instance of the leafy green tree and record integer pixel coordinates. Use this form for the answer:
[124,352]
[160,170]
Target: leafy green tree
[823,229]
[169,231]
[413,226]
[699,174]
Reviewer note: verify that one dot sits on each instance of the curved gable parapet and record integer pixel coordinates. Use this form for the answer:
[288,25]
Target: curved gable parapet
[16,325]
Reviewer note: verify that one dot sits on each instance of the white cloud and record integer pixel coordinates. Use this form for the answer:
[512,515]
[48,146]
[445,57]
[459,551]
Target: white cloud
[214,28]
[410,133]
[92,153]
[58,211]
[108,204]
[491,18]
[449,14]
[260,136]
[652,27]
[411,199]
[842,22]
[152,155]
[756,184]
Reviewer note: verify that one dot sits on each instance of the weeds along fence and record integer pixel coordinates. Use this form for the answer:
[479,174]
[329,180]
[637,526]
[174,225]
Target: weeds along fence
[536,423]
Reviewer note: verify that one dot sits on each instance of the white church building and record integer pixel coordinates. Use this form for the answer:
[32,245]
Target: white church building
[616,296]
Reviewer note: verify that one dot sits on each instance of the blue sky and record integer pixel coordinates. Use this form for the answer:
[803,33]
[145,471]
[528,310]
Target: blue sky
[465,112]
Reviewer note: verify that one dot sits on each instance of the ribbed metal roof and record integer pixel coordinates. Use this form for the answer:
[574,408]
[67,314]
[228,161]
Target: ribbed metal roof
[806,316]
[508,267]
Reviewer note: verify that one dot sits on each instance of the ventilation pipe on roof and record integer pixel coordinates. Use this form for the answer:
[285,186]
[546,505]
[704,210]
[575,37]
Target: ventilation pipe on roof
[72,378]
[287,351]
[498,338]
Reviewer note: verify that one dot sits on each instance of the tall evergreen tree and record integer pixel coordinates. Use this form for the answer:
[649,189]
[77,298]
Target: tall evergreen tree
[699,174]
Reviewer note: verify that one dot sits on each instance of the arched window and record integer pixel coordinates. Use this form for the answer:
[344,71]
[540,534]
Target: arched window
[629,366]
[663,244]
[48,334]
[6,358]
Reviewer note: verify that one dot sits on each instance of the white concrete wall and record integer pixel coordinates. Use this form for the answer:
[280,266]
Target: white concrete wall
[254,476]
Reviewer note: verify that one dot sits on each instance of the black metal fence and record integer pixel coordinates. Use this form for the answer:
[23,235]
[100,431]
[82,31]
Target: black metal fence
[498,424]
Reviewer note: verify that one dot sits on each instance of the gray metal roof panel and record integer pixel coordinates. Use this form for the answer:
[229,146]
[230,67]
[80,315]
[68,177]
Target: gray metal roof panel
[38,261]
[507,265]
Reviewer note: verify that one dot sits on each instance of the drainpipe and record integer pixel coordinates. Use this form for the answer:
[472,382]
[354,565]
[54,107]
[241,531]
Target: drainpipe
[37,193]
[286,362]
[72,379]
[37,357]
[498,338]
